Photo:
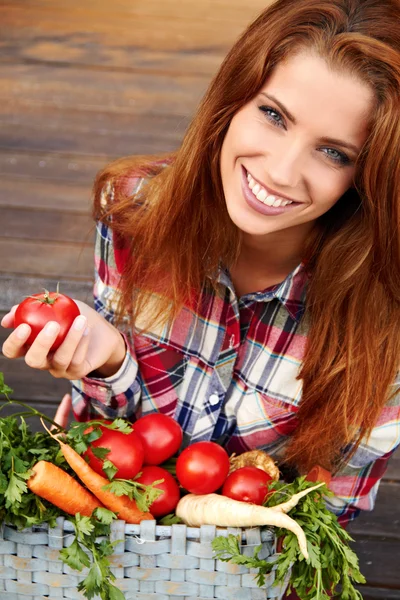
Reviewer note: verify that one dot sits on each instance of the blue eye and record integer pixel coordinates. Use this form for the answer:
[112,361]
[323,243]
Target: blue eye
[337,157]
[273,115]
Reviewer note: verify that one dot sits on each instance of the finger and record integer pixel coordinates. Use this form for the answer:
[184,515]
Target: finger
[14,345]
[37,355]
[79,365]
[63,411]
[8,319]
[63,356]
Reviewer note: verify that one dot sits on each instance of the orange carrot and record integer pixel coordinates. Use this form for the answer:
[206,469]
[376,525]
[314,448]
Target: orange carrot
[123,506]
[62,490]
[318,473]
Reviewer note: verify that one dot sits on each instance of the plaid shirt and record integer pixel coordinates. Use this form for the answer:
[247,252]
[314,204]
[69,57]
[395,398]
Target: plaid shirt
[226,373]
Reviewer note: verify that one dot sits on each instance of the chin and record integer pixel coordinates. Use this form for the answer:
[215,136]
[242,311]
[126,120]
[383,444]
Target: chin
[251,224]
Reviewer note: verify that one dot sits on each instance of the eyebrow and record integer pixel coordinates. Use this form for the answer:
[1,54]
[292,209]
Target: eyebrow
[326,140]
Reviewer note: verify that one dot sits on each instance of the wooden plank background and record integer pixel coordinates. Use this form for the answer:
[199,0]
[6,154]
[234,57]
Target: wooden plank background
[82,83]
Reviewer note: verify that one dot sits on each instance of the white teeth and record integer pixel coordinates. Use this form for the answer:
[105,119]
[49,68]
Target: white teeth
[262,195]
[270,200]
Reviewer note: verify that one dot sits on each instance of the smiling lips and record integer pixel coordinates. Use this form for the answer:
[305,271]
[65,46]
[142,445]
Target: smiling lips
[264,196]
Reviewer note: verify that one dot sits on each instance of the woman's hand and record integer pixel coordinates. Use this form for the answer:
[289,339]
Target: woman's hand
[63,411]
[92,344]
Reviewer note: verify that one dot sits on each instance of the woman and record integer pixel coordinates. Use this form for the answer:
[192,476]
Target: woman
[248,284]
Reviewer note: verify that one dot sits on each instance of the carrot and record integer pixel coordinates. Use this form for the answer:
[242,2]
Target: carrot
[318,473]
[123,506]
[213,509]
[62,490]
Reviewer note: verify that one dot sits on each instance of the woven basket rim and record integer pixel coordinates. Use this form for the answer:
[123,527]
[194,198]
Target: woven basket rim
[192,533]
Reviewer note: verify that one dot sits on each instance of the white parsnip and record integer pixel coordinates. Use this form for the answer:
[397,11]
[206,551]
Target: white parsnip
[213,509]
[287,506]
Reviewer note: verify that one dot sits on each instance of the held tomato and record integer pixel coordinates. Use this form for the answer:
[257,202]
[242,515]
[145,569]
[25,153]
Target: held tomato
[126,452]
[161,437]
[39,309]
[202,467]
[167,501]
[248,484]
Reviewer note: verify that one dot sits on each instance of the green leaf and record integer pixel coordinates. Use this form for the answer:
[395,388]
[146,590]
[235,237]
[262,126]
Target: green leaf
[16,487]
[100,453]
[144,495]
[74,556]
[170,519]
[109,469]
[121,425]
[104,515]
[4,389]
[92,583]
[83,525]
[119,487]
[114,593]
[3,483]
[81,447]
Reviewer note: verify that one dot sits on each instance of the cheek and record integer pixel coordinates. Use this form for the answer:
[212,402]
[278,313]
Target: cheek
[328,187]
[245,138]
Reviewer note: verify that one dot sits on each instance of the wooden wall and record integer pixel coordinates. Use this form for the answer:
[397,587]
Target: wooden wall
[82,83]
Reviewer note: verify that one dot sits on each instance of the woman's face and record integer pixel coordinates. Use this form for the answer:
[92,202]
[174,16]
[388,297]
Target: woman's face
[289,154]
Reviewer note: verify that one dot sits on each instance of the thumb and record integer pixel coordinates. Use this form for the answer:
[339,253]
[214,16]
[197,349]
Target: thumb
[63,411]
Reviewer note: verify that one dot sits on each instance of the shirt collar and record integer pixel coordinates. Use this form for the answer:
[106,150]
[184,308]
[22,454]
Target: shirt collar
[290,292]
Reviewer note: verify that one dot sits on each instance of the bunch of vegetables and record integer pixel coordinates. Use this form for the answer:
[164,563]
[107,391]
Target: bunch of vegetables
[102,470]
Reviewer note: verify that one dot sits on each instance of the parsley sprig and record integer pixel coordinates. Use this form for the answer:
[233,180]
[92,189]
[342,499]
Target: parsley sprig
[99,579]
[144,495]
[332,561]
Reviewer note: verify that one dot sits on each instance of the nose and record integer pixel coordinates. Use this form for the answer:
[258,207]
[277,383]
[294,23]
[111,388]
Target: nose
[284,165]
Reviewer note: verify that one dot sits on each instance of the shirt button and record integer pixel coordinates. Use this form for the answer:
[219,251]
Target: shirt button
[214,399]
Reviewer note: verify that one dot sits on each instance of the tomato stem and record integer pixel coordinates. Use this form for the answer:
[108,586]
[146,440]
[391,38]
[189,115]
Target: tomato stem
[46,297]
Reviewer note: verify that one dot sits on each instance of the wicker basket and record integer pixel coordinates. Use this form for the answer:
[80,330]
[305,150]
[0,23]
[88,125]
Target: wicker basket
[151,563]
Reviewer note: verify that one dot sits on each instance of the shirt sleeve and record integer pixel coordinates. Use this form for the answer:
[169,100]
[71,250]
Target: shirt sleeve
[118,395]
[356,485]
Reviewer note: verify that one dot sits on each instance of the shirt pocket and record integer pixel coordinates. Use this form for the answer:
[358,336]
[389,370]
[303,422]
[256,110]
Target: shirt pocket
[262,422]
[271,375]
[162,371]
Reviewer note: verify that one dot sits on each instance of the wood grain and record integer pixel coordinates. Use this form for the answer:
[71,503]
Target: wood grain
[46,225]
[45,196]
[174,37]
[384,520]
[61,168]
[54,259]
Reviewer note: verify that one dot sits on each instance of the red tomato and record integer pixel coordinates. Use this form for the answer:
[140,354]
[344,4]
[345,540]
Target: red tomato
[202,467]
[39,309]
[167,502]
[126,452]
[161,437]
[248,484]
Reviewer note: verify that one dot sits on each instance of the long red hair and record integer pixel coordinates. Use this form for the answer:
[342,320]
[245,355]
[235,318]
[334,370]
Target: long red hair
[181,227]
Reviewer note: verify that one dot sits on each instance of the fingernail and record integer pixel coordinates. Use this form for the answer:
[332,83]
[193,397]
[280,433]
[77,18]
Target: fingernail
[79,323]
[22,331]
[51,328]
